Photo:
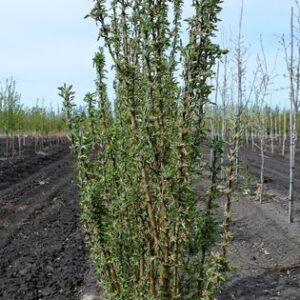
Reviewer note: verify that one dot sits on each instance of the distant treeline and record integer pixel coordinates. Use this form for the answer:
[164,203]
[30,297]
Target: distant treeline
[276,120]
[16,119]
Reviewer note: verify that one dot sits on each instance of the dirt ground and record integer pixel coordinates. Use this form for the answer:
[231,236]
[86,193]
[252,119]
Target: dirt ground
[42,253]
[265,252]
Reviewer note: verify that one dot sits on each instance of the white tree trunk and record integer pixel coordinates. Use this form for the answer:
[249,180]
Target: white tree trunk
[292,124]
[272,132]
[284,134]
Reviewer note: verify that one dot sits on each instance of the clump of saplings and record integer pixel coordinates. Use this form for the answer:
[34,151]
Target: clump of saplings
[138,159]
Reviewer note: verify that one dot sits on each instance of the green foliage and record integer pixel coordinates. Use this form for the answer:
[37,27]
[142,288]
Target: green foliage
[9,107]
[16,119]
[137,164]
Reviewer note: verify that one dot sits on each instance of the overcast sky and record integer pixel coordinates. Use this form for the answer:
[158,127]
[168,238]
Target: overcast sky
[45,43]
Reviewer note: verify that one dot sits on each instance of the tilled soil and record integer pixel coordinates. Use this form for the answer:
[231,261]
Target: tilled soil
[265,252]
[42,252]
[276,174]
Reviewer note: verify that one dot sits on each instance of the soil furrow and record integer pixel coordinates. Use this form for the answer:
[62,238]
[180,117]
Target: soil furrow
[42,250]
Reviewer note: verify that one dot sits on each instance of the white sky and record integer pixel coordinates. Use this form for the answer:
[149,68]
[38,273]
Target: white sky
[45,43]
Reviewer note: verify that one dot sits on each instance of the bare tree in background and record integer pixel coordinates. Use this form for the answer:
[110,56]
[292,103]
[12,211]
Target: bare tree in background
[240,75]
[224,94]
[284,135]
[293,67]
[262,82]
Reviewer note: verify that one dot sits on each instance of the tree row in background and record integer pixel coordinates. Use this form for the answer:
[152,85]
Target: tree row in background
[272,120]
[246,99]
[17,121]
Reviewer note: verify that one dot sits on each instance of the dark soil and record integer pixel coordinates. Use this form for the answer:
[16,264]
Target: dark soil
[265,252]
[276,171]
[42,252]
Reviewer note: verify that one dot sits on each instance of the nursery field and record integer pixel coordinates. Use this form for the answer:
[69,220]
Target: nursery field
[276,175]
[42,252]
[265,252]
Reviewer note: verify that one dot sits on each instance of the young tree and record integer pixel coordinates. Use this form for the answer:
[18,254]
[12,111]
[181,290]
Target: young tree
[239,105]
[137,164]
[262,81]
[284,133]
[224,96]
[9,105]
[293,67]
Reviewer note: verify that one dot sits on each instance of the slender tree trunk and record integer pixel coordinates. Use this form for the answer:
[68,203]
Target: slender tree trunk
[252,139]
[13,145]
[275,128]
[240,71]
[272,132]
[20,145]
[292,124]
[223,128]
[279,130]
[213,129]
[262,167]
[284,134]
[292,162]
[6,145]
